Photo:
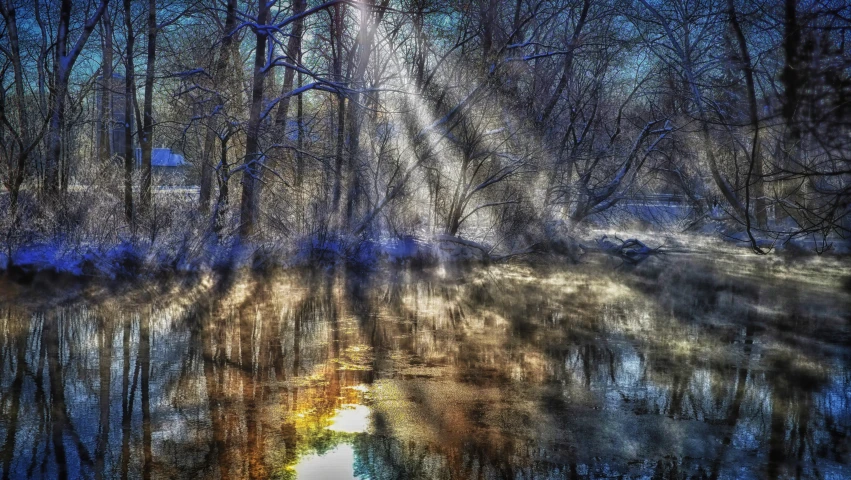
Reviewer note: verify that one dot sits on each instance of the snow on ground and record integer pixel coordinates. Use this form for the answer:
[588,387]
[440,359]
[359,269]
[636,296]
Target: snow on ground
[189,254]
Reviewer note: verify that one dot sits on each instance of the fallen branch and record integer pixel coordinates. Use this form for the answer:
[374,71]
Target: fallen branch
[631,251]
[461,241]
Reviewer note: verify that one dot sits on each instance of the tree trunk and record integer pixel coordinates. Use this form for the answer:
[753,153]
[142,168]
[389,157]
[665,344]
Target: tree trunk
[249,204]
[791,79]
[106,96]
[298,185]
[338,156]
[421,45]
[223,179]
[57,111]
[206,182]
[488,26]
[755,170]
[57,126]
[129,95]
[368,27]
[146,140]
[293,52]
[299,156]
[221,69]
[293,55]
[337,44]
[456,206]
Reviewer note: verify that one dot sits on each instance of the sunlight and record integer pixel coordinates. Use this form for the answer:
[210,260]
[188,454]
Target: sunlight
[337,463]
[351,418]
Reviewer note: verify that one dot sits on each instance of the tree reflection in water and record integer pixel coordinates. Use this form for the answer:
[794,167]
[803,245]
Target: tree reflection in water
[506,372]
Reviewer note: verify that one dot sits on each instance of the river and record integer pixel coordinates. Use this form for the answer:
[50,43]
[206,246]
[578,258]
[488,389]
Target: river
[730,367]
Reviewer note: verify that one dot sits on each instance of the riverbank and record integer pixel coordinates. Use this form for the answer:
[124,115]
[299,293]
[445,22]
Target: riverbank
[139,258]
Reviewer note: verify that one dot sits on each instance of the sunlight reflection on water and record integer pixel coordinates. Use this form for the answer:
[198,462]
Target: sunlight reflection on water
[351,418]
[337,463]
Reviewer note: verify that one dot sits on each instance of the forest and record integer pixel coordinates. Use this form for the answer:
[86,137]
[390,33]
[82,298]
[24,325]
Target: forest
[191,132]
[425,239]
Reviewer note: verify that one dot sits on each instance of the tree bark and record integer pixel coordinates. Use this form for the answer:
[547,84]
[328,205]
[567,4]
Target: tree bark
[337,47]
[293,55]
[298,184]
[129,95]
[488,27]
[146,140]
[223,179]
[205,186]
[252,162]
[106,96]
[791,78]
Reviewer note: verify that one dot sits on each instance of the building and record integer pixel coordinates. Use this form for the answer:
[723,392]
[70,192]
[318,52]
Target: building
[167,167]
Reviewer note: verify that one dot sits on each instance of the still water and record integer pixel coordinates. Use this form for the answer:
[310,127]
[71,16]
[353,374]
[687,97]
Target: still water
[689,368]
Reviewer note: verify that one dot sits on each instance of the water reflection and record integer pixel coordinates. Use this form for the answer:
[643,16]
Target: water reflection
[685,370]
[350,418]
[337,463]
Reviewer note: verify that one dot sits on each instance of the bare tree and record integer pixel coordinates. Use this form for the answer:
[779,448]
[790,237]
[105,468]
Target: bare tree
[65,58]
[24,141]
[129,102]
[146,138]
[253,160]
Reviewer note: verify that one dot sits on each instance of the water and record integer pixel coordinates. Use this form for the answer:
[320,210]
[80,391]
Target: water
[733,368]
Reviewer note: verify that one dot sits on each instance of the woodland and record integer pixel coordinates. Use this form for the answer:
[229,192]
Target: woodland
[360,129]
[419,239]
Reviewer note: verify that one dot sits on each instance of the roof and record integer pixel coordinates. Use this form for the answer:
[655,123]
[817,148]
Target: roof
[162,157]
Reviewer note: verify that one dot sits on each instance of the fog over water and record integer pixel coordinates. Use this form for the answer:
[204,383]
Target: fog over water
[731,367]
